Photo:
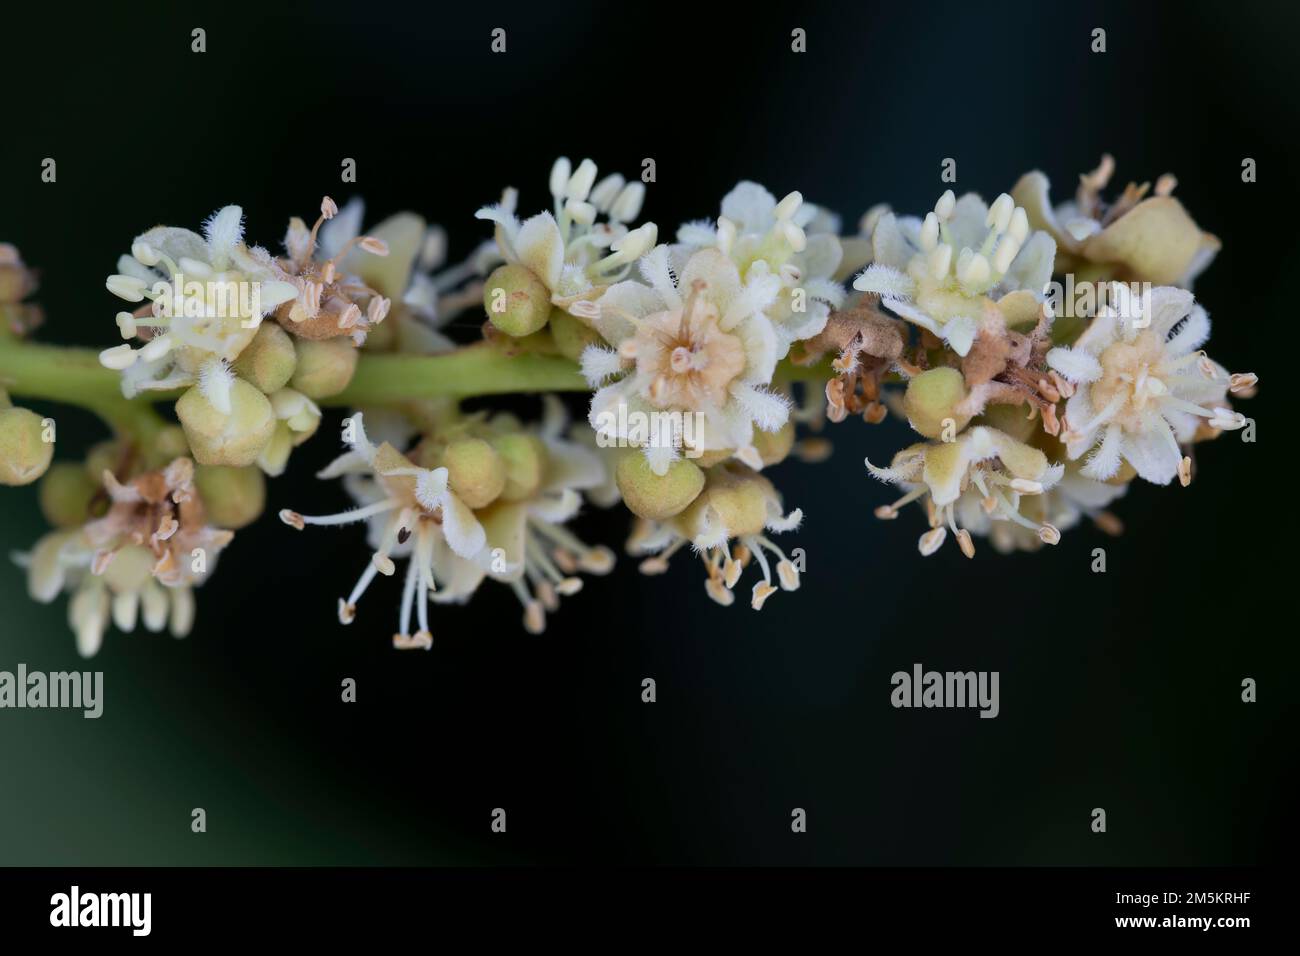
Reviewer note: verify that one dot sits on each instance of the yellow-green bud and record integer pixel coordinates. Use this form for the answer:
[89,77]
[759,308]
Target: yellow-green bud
[232,497]
[572,335]
[708,459]
[269,360]
[65,493]
[517,302]
[104,456]
[773,447]
[129,569]
[235,439]
[475,472]
[25,452]
[324,366]
[931,399]
[657,497]
[739,498]
[165,446]
[525,460]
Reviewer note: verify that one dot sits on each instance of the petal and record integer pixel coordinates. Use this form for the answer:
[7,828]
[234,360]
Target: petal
[541,248]
[462,530]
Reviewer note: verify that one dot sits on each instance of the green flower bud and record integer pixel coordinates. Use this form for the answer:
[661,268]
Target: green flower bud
[219,439]
[773,447]
[268,362]
[475,472]
[24,451]
[525,460]
[657,497]
[716,456]
[104,456]
[738,495]
[167,444]
[232,497]
[65,494]
[324,366]
[571,335]
[931,399]
[129,569]
[517,302]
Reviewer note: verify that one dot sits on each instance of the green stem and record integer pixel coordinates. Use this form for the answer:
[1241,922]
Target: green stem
[75,377]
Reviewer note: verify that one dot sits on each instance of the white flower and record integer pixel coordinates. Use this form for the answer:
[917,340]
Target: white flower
[572,251]
[208,295]
[997,466]
[1142,388]
[425,293]
[695,341]
[793,240]
[943,273]
[412,513]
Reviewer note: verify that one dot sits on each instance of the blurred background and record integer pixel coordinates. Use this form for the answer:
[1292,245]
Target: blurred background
[1118,690]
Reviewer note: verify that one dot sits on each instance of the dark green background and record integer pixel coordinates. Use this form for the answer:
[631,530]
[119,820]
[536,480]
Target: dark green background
[1118,690]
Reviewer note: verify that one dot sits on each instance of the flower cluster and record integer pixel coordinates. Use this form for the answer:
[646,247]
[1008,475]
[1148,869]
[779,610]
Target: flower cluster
[701,356]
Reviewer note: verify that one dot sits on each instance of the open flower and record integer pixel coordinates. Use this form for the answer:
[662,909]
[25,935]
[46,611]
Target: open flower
[1143,388]
[997,466]
[1136,238]
[331,300]
[495,507]
[964,264]
[207,296]
[725,525]
[792,240]
[694,342]
[140,560]
[572,252]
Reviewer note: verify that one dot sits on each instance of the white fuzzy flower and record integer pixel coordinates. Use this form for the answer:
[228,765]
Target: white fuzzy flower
[1142,387]
[792,240]
[572,250]
[944,272]
[693,340]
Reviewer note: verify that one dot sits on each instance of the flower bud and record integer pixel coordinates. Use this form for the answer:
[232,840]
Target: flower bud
[773,447]
[325,366]
[931,400]
[232,497]
[105,456]
[475,472]
[165,446]
[739,498]
[657,497]
[517,302]
[525,460]
[571,335]
[235,439]
[296,419]
[65,494]
[129,569]
[269,360]
[24,452]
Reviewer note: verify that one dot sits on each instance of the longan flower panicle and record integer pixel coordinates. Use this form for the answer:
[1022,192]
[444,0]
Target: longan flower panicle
[140,560]
[1145,235]
[964,264]
[492,502]
[692,340]
[726,523]
[1144,389]
[330,300]
[792,240]
[558,258]
[206,295]
[1000,468]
